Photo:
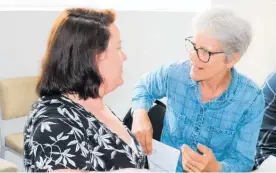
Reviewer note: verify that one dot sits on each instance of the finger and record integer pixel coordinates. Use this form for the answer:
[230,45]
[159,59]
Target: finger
[185,147]
[189,168]
[195,156]
[186,168]
[202,148]
[137,135]
[139,138]
[149,141]
[143,142]
[134,130]
[187,162]
[191,152]
[195,166]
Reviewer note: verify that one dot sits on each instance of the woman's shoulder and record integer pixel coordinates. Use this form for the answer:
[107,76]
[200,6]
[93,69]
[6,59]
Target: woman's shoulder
[248,97]
[48,109]
[248,91]
[247,84]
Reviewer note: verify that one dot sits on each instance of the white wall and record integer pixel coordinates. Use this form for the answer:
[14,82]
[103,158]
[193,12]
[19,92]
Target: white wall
[260,59]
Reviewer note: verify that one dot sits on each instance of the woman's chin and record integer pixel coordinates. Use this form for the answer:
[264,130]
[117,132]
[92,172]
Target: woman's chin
[120,82]
[194,77]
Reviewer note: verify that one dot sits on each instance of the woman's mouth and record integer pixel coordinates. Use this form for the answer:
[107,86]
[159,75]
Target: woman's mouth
[196,68]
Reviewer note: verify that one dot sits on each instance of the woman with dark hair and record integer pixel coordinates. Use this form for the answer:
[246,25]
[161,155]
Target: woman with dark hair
[70,127]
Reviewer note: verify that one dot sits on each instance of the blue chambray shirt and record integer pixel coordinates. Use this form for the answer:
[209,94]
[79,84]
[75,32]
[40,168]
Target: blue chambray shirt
[229,124]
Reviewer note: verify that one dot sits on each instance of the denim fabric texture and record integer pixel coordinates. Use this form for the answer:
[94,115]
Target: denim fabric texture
[229,124]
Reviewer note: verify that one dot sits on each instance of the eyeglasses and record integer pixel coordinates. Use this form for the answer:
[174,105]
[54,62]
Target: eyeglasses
[203,54]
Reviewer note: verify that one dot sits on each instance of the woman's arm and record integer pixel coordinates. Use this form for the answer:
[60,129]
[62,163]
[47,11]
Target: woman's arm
[240,157]
[150,87]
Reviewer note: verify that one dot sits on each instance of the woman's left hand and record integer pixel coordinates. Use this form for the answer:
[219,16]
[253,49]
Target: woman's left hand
[195,162]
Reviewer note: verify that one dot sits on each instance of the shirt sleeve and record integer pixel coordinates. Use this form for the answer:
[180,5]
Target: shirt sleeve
[58,144]
[267,137]
[150,87]
[240,155]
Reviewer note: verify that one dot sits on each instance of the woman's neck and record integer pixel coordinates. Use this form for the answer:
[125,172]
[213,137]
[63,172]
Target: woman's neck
[92,105]
[219,83]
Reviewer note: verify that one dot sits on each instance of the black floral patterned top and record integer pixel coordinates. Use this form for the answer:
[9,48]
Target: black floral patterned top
[61,134]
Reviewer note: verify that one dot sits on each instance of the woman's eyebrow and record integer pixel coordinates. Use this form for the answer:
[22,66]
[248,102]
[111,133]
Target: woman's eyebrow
[201,47]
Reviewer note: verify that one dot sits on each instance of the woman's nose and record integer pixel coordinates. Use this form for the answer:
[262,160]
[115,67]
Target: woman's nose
[193,55]
[124,56]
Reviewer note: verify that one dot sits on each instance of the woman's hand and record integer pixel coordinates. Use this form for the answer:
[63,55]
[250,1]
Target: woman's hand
[142,129]
[195,162]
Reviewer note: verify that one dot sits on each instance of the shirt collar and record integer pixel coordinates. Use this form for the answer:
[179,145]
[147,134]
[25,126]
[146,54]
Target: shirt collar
[228,95]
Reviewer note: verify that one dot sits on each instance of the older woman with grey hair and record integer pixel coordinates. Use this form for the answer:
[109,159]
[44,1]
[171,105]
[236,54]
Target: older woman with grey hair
[214,113]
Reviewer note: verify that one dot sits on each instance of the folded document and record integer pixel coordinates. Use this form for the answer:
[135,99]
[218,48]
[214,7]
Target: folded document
[163,158]
[269,165]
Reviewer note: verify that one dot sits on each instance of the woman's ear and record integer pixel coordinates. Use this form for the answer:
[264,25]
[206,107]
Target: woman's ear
[100,56]
[232,60]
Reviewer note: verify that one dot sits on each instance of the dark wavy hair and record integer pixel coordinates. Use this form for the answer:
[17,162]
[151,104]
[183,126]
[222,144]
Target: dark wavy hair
[70,65]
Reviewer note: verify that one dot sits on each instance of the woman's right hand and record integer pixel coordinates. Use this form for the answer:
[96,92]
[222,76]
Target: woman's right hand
[142,129]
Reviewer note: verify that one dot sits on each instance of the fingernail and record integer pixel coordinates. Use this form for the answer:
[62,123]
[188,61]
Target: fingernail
[199,152]
[182,148]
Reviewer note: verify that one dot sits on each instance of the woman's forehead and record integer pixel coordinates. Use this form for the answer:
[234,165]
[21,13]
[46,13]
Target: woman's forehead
[114,31]
[207,41]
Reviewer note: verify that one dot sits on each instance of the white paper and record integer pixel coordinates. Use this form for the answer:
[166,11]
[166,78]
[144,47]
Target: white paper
[268,165]
[163,158]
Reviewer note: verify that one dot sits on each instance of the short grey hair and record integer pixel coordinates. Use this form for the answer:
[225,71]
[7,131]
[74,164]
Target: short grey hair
[233,32]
